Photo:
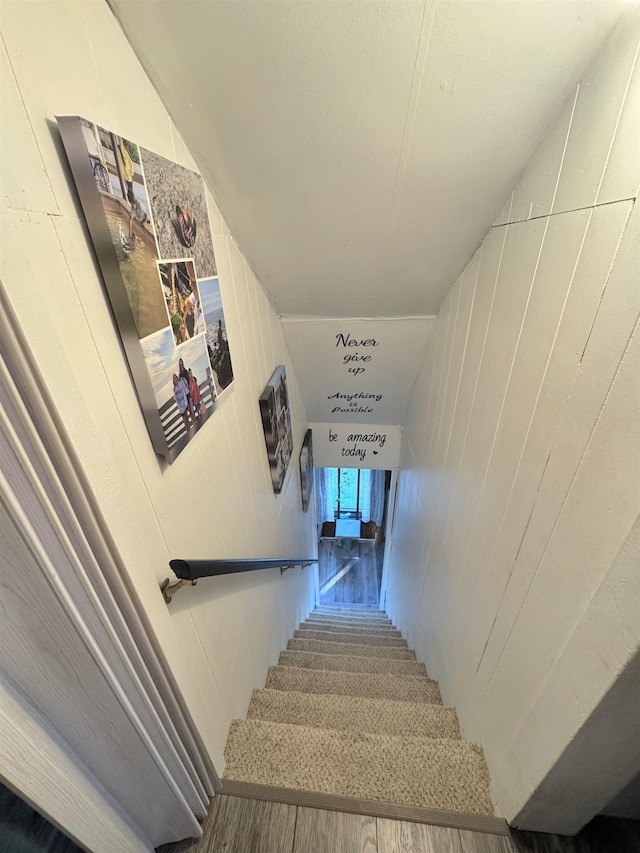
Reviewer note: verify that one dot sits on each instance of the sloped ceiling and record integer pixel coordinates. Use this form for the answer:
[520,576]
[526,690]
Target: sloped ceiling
[360,150]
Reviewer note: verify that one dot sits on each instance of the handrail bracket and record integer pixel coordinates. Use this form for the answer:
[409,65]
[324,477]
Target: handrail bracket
[169,589]
[283,569]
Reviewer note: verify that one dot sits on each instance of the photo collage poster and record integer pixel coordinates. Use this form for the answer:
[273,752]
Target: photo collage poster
[157,218]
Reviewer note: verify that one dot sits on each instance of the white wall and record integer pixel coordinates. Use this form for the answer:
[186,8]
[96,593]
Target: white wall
[520,461]
[216,500]
[354,370]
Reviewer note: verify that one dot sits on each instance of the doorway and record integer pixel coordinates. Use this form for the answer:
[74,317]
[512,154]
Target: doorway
[351,514]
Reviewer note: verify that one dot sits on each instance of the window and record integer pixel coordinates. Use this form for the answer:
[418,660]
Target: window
[352,493]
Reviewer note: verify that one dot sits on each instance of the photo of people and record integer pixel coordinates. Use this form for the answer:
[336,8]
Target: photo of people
[115,163]
[179,212]
[216,333]
[182,297]
[182,383]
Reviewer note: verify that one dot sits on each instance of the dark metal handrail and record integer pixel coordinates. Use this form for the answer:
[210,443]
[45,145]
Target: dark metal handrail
[188,571]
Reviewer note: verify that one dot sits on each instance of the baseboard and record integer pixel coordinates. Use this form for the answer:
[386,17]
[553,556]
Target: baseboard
[335,802]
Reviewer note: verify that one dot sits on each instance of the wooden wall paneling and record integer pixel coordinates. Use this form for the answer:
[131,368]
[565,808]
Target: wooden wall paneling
[450,454]
[601,102]
[528,362]
[600,358]
[521,251]
[583,296]
[585,408]
[606,748]
[621,178]
[576,559]
[486,286]
[536,190]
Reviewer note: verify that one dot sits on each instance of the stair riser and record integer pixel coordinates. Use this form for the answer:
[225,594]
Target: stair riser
[328,648]
[336,637]
[352,663]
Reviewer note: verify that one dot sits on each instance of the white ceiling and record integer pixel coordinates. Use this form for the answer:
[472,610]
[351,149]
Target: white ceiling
[360,150]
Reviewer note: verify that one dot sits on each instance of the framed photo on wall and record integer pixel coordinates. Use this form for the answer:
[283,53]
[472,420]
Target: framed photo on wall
[149,224]
[306,470]
[276,424]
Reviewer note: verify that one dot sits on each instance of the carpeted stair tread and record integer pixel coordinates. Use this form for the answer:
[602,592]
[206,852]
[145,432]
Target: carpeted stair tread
[363,610]
[350,625]
[406,688]
[356,609]
[351,614]
[354,713]
[329,648]
[354,617]
[349,607]
[351,663]
[356,620]
[345,637]
[430,772]
[349,628]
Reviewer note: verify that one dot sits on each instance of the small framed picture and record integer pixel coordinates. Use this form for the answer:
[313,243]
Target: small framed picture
[306,471]
[276,424]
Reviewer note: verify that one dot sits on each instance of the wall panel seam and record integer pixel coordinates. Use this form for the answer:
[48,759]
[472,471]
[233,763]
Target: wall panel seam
[560,512]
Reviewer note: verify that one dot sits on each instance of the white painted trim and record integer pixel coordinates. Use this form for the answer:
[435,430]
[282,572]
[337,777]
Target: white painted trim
[52,780]
[64,545]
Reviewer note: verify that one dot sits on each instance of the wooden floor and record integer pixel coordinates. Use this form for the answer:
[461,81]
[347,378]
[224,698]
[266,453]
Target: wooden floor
[350,571]
[238,825]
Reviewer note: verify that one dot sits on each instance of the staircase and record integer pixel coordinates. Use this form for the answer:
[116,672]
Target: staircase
[349,712]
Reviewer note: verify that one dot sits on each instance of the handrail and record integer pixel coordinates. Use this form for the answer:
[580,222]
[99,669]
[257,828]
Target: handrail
[188,571]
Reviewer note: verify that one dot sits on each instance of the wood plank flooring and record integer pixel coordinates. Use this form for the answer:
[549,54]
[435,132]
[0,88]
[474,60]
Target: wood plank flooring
[318,831]
[240,825]
[350,571]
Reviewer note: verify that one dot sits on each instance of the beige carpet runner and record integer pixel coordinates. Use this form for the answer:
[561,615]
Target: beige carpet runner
[350,711]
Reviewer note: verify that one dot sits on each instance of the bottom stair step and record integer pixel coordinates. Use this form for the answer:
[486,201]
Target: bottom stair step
[436,773]
[354,713]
